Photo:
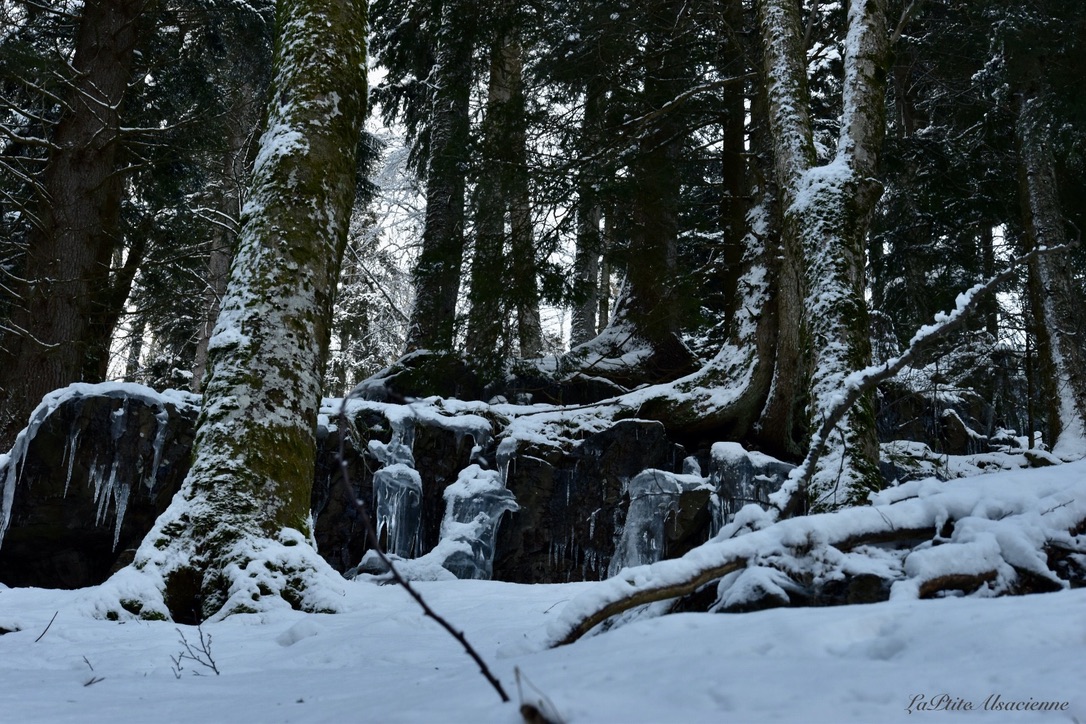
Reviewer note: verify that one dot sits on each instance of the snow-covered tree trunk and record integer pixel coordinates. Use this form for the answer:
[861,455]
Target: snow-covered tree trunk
[826,212]
[238,531]
[1059,325]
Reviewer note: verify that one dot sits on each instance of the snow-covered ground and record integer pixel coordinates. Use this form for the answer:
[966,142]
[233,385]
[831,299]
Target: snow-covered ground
[381,660]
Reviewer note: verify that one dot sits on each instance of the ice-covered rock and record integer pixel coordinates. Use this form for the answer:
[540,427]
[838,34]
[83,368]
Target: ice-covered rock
[474,507]
[742,476]
[655,497]
[86,479]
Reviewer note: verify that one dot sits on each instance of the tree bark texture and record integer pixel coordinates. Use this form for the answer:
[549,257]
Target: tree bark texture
[248,493]
[437,272]
[826,212]
[58,326]
[1054,295]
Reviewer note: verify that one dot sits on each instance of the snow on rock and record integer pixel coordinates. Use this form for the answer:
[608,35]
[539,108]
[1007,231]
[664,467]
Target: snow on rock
[112,482]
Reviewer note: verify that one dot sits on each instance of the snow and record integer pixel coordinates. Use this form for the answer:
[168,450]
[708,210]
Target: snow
[379,659]
[107,488]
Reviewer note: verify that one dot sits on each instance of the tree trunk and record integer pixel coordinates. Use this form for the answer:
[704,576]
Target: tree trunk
[243,117]
[735,182]
[1055,297]
[55,334]
[238,530]
[522,239]
[586,261]
[827,210]
[650,310]
[437,272]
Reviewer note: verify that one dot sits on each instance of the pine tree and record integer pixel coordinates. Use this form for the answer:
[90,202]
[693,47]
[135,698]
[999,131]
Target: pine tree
[64,296]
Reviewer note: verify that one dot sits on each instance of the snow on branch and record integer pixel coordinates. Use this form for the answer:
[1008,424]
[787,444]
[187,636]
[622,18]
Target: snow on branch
[789,500]
[995,535]
[999,536]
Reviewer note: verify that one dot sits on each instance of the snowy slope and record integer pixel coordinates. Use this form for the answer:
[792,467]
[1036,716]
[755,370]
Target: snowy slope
[382,661]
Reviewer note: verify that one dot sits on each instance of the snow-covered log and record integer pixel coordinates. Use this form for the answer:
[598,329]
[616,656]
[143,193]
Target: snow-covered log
[988,535]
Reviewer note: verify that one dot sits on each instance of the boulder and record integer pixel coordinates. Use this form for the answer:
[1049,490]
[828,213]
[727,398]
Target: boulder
[99,463]
[87,479]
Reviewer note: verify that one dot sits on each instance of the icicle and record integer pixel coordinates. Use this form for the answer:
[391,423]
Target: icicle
[507,451]
[16,459]
[103,492]
[398,489]
[70,448]
[163,419]
[121,494]
[474,506]
[7,492]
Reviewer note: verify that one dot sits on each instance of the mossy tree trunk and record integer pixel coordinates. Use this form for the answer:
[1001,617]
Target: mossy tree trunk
[236,534]
[826,212]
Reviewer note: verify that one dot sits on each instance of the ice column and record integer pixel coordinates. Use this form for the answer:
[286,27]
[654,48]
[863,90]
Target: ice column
[653,495]
[474,506]
[397,488]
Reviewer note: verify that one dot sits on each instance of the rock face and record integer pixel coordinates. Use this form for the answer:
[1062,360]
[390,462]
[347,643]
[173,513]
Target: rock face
[439,447]
[86,481]
[573,503]
[741,477]
[99,463]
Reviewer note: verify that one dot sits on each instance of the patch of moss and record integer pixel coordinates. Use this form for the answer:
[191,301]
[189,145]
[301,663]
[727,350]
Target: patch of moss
[132,605]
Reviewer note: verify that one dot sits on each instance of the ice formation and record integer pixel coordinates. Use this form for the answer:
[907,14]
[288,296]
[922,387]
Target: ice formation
[397,488]
[474,506]
[112,484]
[654,494]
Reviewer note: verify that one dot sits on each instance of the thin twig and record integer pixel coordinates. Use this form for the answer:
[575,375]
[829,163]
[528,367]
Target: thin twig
[375,542]
[54,618]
